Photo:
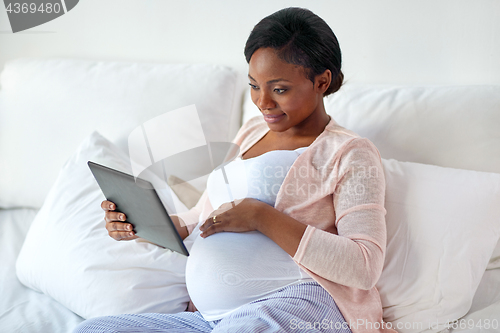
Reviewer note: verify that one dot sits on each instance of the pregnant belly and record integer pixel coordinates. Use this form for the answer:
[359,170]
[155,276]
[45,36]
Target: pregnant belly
[227,270]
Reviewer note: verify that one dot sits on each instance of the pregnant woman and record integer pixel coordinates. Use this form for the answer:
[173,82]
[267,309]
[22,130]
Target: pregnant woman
[299,244]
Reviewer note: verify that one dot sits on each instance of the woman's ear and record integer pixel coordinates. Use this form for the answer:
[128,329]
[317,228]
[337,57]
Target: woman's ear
[323,80]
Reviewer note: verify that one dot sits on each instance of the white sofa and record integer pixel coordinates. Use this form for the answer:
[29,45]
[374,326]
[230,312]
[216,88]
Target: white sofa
[430,138]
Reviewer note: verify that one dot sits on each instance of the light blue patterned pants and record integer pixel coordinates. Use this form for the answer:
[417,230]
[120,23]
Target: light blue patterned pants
[305,307]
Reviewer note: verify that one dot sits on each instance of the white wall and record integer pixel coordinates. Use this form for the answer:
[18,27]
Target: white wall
[383,41]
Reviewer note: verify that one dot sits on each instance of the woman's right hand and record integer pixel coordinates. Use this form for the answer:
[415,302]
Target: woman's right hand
[117,228]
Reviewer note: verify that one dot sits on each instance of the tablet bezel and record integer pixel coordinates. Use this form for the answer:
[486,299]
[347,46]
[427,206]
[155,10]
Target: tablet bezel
[142,206]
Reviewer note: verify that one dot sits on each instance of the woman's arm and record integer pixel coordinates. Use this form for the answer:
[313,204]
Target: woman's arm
[281,228]
[355,256]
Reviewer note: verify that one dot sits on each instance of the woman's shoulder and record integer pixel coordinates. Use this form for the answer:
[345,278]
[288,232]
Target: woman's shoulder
[334,137]
[334,129]
[335,140]
[337,143]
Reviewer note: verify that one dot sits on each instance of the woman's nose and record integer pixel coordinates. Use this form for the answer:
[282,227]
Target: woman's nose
[265,101]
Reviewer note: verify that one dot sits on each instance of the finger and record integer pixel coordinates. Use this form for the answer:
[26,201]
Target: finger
[119,226]
[210,221]
[108,205]
[129,238]
[122,235]
[112,216]
[213,229]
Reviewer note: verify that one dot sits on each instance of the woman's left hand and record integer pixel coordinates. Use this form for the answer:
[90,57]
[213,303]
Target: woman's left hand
[240,216]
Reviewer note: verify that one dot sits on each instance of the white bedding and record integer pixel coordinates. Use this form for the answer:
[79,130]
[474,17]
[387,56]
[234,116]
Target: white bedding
[484,314]
[23,310]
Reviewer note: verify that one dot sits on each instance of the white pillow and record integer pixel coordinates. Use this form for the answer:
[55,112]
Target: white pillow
[48,106]
[495,258]
[68,254]
[405,123]
[442,227]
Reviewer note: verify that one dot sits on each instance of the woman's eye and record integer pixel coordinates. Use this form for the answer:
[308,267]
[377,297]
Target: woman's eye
[279,91]
[253,86]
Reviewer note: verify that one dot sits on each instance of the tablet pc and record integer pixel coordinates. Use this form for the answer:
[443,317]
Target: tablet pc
[138,200]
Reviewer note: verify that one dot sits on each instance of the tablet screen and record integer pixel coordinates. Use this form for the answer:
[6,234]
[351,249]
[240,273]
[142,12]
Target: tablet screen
[138,200]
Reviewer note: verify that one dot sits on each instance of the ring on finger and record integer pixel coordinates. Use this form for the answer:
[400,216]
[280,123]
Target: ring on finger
[214,219]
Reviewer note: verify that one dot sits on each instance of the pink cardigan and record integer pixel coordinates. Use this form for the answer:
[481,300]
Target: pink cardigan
[337,188]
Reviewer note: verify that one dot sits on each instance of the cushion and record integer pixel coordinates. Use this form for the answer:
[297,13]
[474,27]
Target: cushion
[442,227]
[22,309]
[449,126]
[68,254]
[48,106]
[495,258]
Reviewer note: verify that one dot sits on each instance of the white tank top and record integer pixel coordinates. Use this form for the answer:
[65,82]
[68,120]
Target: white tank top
[227,270]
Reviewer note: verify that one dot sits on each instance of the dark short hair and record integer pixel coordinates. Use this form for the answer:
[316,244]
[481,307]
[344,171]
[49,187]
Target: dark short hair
[302,38]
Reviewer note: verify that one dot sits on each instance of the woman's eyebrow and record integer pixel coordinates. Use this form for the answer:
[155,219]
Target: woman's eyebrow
[271,81]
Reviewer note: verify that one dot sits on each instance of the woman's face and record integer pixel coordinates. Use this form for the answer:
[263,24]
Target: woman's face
[283,93]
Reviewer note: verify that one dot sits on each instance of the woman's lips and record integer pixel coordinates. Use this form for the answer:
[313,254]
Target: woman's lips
[270,118]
